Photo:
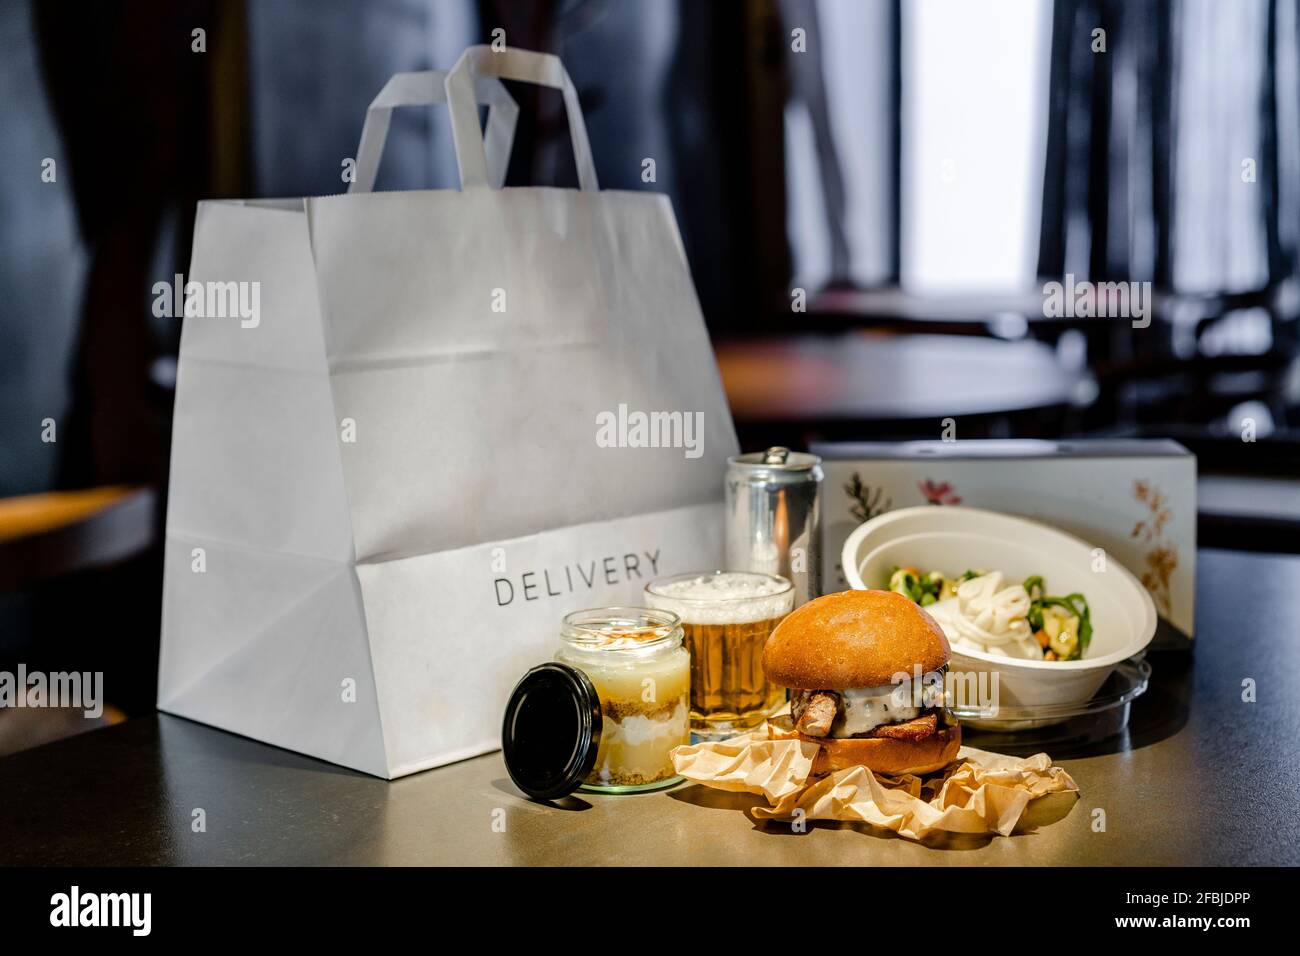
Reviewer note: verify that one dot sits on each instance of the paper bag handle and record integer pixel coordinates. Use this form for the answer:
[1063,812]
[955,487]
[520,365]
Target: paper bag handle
[526,66]
[427,88]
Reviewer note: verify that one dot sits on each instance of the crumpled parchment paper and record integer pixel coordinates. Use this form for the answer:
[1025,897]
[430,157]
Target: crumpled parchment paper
[979,792]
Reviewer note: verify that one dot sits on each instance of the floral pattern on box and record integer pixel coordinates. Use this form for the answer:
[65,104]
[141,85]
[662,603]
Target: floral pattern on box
[1161,557]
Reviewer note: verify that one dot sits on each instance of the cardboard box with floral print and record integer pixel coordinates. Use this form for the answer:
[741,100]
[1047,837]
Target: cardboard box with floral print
[1135,498]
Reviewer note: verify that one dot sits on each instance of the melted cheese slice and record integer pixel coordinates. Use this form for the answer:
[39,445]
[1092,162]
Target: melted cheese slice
[866,708]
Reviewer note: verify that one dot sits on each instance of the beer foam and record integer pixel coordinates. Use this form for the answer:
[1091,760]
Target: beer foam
[730,597]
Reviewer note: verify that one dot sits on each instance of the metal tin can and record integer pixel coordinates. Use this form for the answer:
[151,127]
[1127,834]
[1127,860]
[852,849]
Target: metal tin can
[774,517]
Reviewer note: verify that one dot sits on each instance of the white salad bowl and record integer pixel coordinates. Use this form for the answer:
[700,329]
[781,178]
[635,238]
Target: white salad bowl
[953,539]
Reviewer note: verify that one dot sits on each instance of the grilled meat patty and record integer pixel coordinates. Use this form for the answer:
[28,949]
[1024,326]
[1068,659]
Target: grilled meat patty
[814,711]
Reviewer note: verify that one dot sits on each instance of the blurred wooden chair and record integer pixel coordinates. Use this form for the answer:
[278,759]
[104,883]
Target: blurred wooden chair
[47,537]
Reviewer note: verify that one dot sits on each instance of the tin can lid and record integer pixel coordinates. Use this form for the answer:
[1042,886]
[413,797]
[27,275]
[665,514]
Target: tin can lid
[551,731]
[777,458]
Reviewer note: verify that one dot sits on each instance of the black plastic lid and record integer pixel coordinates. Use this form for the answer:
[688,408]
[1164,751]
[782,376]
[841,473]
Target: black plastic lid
[551,731]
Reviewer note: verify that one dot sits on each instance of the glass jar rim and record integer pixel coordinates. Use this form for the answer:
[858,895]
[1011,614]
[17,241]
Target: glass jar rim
[589,629]
[655,587]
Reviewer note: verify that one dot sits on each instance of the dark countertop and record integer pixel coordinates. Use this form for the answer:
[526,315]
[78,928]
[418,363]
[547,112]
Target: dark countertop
[1200,777]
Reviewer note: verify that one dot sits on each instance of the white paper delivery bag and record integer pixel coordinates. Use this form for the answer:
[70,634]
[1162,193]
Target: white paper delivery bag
[460,415]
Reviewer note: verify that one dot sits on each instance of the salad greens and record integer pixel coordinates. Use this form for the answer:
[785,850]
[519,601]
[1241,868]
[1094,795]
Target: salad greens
[925,589]
[1062,625]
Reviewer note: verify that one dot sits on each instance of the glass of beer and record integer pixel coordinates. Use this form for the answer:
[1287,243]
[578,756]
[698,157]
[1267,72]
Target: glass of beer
[726,617]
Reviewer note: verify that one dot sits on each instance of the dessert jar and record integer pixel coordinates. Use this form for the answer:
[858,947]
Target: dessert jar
[641,673]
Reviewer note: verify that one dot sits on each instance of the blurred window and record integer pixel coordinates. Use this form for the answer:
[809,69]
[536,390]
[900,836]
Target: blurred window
[974,115]
[857,71]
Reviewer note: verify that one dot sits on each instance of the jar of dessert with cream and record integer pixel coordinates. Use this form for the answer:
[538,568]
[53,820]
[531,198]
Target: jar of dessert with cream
[606,715]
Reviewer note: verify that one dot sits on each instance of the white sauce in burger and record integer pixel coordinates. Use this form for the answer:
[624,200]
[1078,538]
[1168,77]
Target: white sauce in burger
[866,708]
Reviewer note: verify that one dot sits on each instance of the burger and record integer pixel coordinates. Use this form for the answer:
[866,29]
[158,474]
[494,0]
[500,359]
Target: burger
[865,671]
